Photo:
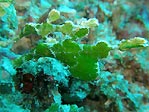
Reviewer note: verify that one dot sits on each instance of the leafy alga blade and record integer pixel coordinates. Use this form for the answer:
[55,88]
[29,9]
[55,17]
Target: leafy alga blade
[44,29]
[53,16]
[80,32]
[42,50]
[91,23]
[101,50]
[67,27]
[98,51]
[85,68]
[66,52]
[133,43]
[28,29]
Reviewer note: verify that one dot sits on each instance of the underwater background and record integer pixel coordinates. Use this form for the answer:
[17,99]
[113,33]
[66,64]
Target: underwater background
[74,56]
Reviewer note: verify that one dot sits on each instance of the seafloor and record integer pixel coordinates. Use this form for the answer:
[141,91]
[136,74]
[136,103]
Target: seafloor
[74,55]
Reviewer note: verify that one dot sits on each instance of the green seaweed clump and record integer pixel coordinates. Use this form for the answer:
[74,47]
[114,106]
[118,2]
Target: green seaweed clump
[81,59]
